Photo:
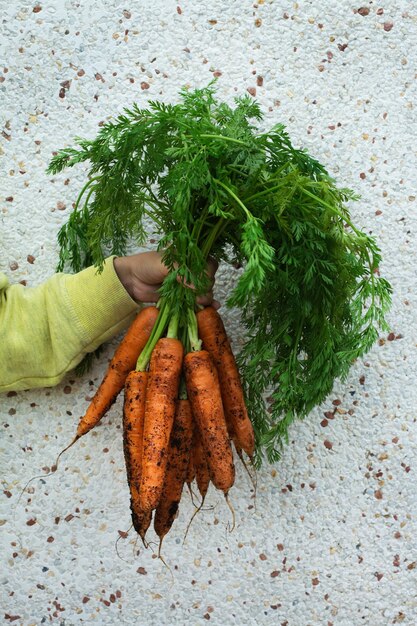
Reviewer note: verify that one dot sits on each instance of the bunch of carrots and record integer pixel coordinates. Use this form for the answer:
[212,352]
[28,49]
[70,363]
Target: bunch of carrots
[183,408]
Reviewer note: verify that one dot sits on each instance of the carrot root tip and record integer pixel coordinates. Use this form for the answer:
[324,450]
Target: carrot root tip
[229,504]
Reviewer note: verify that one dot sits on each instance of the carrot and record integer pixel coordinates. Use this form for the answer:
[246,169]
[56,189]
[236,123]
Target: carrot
[176,472]
[123,361]
[190,469]
[164,375]
[202,474]
[141,519]
[206,403]
[215,341]
[133,423]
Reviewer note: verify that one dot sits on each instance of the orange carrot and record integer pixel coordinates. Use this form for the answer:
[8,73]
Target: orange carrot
[202,474]
[141,520]
[176,471]
[164,375]
[133,422]
[123,361]
[190,469]
[215,341]
[206,403]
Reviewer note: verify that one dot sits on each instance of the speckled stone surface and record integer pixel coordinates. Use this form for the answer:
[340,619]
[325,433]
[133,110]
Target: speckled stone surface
[331,538]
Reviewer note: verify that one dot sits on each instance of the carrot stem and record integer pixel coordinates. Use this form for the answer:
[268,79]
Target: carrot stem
[157,331]
[172,331]
[193,331]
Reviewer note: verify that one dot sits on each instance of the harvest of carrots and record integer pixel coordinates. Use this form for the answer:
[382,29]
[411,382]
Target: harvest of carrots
[310,295]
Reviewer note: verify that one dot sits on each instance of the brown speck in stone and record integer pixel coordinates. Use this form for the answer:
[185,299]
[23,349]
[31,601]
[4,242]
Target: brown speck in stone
[12,411]
[378,576]
[67,389]
[260,81]
[213,22]
[66,84]
[324,423]
[274,574]
[207,616]
[280,547]
[336,402]
[144,85]
[31,521]
[30,259]
[252,91]
[321,68]
[378,494]
[142,570]
[258,22]
[127,14]
[37,8]
[85,600]
[362,380]
[363,11]
[112,598]
[362,175]
[69,517]
[118,594]
[412,565]
[328,444]
[388,26]
[391,337]
[342,46]
[7,494]
[396,561]
[50,539]
[217,73]
[9,199]
[315,582]
[380,11]
[179,10]
[81,73]
[263,557]
[62,93]
[98,76]
[378,212]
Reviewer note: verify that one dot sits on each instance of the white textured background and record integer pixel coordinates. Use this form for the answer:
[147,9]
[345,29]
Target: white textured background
[332,540]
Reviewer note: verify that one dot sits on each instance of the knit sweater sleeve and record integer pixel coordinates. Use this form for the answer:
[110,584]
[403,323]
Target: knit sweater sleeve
[45,331]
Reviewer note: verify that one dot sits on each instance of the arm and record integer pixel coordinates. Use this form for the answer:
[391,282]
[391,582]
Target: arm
[45,331]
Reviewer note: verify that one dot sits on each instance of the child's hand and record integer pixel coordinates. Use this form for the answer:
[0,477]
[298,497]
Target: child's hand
[142,275]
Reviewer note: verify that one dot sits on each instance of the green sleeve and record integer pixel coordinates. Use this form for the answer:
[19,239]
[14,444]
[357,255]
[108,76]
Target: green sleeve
[45,331]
